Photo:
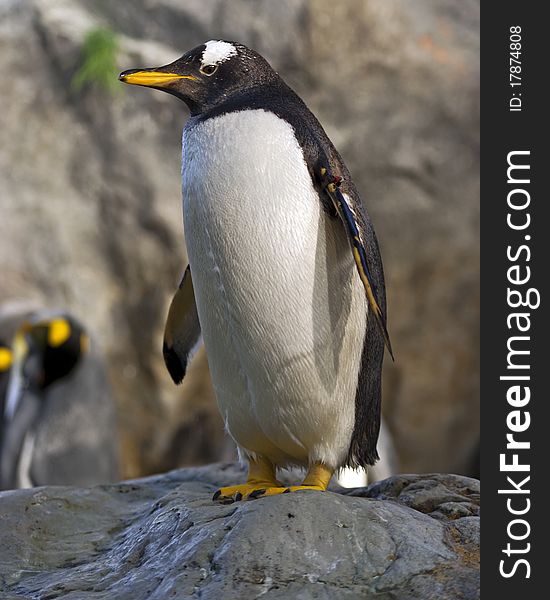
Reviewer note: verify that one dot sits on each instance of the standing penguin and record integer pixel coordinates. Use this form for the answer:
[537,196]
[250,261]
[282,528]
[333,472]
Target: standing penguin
[44,352]
[285,278]
[6,360]
[57,423]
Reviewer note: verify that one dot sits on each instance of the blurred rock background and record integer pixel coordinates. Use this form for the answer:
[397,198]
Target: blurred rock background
[91,209]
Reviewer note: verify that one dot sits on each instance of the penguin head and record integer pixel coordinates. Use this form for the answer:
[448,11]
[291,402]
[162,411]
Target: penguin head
[208,75]
[50,349]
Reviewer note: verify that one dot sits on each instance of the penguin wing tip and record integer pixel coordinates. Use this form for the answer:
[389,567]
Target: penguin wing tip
[388,344]
[175,366]
[381,321]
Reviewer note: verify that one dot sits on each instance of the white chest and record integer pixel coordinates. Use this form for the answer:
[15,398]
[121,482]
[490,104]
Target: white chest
[247,165]
[255,229]
[281,310]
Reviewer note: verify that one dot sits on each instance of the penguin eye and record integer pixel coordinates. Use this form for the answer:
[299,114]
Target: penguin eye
[209,69]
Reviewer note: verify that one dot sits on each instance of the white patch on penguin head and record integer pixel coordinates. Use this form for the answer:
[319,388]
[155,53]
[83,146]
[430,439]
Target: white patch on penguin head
[217,51]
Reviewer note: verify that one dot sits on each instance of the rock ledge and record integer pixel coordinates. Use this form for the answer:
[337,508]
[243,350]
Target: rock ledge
[409,536]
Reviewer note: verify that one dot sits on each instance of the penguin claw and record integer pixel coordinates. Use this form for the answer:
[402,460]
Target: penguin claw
[256,493]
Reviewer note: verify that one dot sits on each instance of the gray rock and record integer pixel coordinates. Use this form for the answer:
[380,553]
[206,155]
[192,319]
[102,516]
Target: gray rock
[163,537]
[440,496]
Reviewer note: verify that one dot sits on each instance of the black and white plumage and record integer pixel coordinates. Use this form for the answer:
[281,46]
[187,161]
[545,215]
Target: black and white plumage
[286,269]
[57,423]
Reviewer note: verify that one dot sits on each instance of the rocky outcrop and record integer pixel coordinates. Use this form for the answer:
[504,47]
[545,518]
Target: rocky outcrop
[407,537]
[91,214]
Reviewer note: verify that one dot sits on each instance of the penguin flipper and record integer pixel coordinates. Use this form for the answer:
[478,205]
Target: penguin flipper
[348,212]
[182,331]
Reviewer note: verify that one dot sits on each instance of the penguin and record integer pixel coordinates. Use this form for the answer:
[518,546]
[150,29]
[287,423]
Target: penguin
[44,352]
[46,436]
[285,282]
[6,360]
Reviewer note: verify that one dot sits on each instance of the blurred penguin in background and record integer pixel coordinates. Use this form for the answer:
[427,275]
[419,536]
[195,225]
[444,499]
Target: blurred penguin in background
[57,424]
[6,359]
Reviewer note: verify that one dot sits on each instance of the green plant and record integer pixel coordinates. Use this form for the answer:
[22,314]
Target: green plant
[98,64]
